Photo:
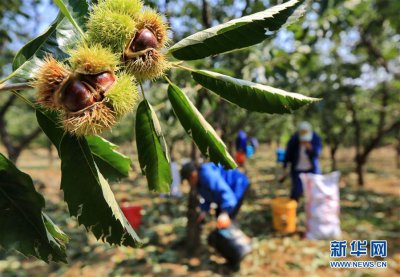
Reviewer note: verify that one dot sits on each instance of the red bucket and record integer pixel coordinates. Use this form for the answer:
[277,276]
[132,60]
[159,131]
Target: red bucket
[132,214]
[240,158]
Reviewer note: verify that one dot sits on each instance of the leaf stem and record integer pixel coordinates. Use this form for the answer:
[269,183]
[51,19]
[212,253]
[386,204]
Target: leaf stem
[175,64]
[167,79]
[8,77]
[142,90]
[23,98]
[66,12]
[16,86]
[184,67]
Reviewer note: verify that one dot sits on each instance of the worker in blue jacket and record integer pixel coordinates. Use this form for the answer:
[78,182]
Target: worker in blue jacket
[241,146]
[226,188]
[241,141]
[302,153]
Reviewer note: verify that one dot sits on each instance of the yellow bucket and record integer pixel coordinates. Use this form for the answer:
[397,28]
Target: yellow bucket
[284,215]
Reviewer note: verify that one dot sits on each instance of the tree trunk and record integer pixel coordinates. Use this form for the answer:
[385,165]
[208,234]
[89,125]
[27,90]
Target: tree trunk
[360,162]
[398,154]
[360,174]
[193,230]
[49,147]
[333,158]
[13,154]
[14,150]
[171,150]
[358,144]
[231,146]
[194,153]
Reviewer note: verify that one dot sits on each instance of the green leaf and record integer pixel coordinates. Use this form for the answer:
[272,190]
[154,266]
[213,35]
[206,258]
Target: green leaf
[23,225]
[238,33]
[28,59]
[76,12]
[112,164]
[152,151]
[89,196]
[56,40]
[37,46]
[54,230]
[198,128]
[48,123]
[251,96]
[87,193]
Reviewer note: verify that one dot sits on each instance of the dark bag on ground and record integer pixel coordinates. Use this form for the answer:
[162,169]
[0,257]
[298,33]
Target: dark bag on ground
[231,243]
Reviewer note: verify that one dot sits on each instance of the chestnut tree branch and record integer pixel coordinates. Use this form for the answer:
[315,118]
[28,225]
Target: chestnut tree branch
[16,86]
[7,105]
[376,53]
[206,14]
[246,7]
[28,138]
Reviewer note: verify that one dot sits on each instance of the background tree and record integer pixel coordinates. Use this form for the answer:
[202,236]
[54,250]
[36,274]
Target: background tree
[355,35]
[19,20]
[349,53]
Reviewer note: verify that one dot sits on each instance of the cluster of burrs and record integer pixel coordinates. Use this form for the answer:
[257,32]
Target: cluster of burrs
[97,84]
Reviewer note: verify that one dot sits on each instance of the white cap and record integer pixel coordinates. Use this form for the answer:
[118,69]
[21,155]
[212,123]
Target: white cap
[305,131]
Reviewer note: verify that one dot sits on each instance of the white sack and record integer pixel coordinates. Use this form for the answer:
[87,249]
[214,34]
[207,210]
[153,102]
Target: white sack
[322,204]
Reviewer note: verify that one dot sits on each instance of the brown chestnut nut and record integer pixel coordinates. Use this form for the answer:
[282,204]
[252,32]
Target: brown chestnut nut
[144,39]
[100,82]
[77,96]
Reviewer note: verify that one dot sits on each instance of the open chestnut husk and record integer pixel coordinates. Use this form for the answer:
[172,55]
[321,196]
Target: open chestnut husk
[84,90]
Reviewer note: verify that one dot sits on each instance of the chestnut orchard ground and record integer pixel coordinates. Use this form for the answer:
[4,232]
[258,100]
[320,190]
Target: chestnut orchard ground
[370,213]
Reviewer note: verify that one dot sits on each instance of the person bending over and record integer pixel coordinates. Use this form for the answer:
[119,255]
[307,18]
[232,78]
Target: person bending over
[226,188]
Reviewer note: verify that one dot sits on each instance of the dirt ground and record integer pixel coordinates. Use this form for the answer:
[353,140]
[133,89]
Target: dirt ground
[371,212]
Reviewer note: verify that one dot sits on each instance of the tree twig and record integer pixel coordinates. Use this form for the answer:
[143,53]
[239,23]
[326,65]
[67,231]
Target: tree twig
[16,86]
